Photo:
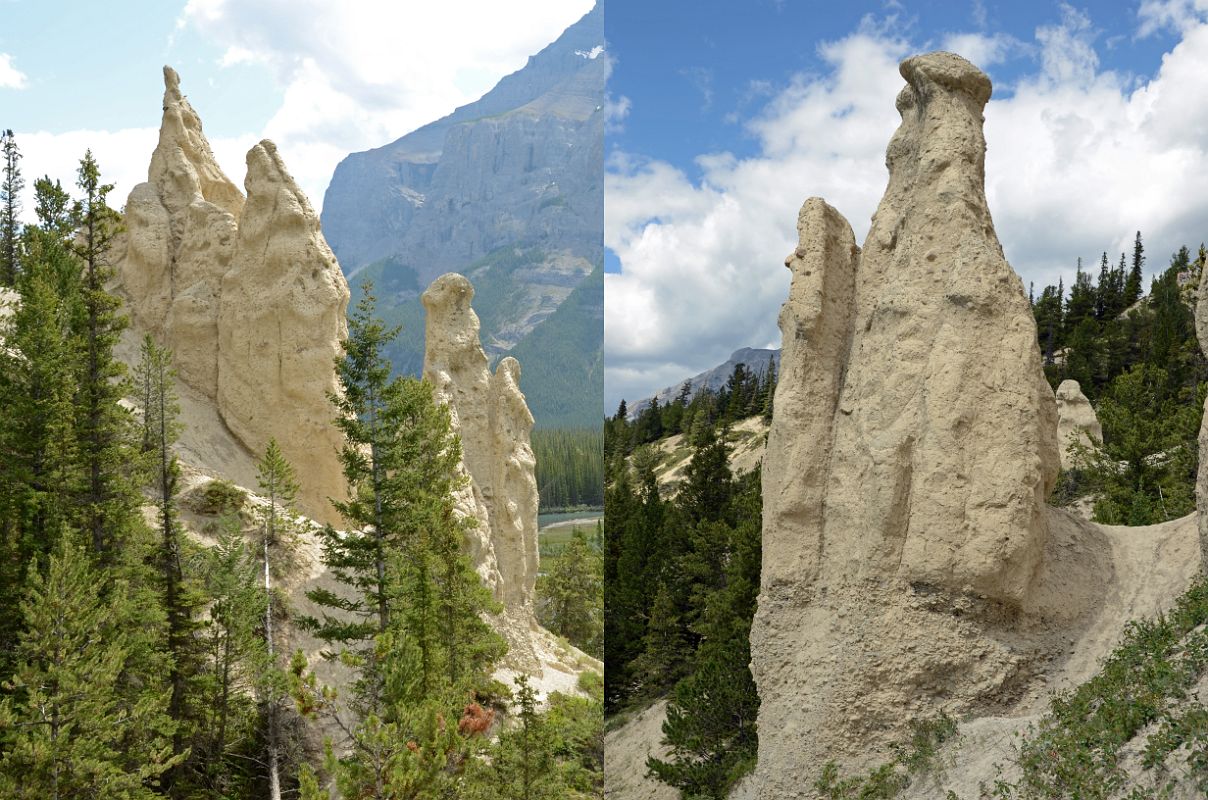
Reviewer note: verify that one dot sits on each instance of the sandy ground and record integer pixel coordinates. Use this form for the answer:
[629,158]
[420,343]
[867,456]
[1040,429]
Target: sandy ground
[572,523]
[747,441]
[1153,565]
[625,752]
[1130,573]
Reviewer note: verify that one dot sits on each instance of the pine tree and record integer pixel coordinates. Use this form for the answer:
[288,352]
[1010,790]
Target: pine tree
[1132,287]
[11,186]
[571,596]
[64,725]
[769,391]
[236,661]
[109,501]
[708,484]
[279,486]
[39,465]
[524,759]
[154,376]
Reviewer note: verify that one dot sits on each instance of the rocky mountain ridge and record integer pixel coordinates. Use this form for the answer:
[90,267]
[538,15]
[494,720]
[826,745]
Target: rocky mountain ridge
[508,191]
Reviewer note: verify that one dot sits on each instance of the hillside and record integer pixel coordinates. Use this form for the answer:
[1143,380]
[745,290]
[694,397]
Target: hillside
[508,191]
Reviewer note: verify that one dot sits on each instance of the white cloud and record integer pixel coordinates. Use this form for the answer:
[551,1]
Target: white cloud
[357,75]
[616,109]
[1174,15]
[1078,160]
[122,156]
[10,76]
[984,50]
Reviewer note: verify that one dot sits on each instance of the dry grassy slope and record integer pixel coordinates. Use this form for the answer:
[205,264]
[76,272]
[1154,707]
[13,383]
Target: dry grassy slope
[747,439]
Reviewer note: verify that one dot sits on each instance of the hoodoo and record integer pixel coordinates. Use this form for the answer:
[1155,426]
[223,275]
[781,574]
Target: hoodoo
[494,423]
[1076,421]
[912,446]
[246,294]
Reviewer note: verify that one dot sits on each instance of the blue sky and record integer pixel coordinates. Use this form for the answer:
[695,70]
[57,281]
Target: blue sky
[725,116]
[321,79]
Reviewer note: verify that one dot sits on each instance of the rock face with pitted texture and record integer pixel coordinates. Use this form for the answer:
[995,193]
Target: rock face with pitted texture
[493,420]
[280,324]
[912,446]
[1201,484]
[245,293]
[1076,421]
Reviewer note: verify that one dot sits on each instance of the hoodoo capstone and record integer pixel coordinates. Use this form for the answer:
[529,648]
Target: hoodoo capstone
[245,293]
[913,444]
[494,423]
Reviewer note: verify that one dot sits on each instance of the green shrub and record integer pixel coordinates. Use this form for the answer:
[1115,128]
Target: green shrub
[219,497]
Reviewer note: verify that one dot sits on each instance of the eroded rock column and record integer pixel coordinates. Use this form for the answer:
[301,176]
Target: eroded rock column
[912,446]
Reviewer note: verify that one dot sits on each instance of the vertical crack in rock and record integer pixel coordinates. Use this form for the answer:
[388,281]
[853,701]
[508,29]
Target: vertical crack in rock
[235,288]
[912,447]
[494,423]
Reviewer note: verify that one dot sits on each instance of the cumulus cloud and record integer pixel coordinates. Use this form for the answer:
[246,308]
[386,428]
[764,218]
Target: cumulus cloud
[10,76]
[357,75]
[985,50]
[1078,160]
[1174,15]
[122,156]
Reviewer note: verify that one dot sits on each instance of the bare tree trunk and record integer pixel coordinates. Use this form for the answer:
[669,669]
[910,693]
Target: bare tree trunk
[274,777]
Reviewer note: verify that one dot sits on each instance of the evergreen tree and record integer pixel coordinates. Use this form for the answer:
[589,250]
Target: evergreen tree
[64,725]
[769,391]
[37,388]
[1132,287]
[11,185]
[108,505]
[236,661]
[154,376]
[571,596]
[708,484]
[279,486]
[524,758]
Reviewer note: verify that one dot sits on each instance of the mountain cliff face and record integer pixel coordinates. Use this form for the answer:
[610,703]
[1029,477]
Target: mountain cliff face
[508,191]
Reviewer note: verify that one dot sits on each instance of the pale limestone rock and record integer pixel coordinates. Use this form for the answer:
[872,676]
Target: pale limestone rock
[246,295]
[912,446]
[494,424]
[179,240]
[1076,421]
[281,320]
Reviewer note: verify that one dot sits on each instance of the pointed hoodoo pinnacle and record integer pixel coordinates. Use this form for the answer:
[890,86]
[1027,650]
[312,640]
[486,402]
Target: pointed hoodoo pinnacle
[280,323]
[494,423]
[912,447]
[246,294]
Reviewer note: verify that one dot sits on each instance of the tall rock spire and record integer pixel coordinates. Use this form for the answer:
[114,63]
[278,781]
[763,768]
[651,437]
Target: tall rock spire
[494,423]
[246,294]
[912,446]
